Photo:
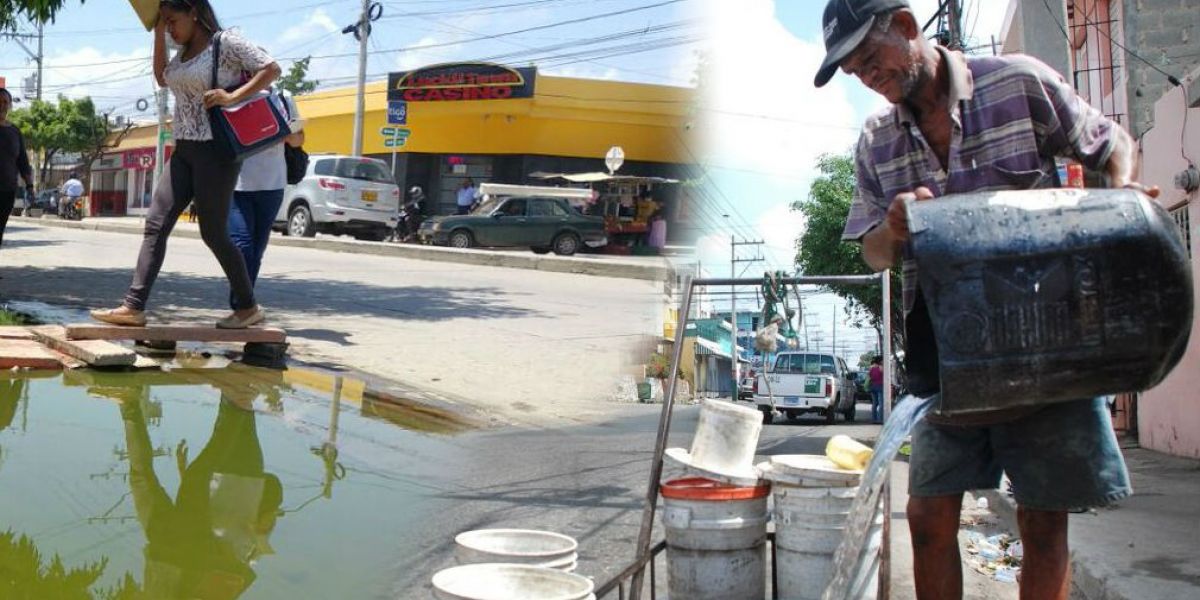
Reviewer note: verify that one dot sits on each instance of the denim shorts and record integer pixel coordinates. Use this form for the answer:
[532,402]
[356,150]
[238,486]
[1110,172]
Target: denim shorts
[1062,457]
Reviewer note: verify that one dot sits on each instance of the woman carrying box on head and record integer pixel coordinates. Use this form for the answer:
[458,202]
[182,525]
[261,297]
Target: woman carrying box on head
[198,170]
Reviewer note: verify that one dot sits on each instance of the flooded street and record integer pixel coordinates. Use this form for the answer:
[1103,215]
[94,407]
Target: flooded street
[215,483]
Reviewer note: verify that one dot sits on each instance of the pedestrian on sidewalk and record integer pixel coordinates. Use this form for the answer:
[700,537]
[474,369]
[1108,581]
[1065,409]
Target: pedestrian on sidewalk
[259,194]
[959,124]
[14,161]
[466,196]
[875,381]
[198,170]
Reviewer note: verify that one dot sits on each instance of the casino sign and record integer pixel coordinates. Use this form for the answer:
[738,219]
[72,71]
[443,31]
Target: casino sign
[462,81]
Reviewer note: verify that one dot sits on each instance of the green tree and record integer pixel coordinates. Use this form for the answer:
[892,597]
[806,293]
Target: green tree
[821,251]
[27,576]
[38,11]
[294,80]
[66,127]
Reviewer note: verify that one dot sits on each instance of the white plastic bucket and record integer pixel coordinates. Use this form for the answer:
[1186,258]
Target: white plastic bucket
[726,437]
[517,546]
[810,523]
[509,582]
[716,539]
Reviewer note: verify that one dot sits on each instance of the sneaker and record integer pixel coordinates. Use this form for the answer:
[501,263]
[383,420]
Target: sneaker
[123,317]
[233,322]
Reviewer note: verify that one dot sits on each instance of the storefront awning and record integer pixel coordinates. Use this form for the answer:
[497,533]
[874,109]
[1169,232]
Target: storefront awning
[600,177]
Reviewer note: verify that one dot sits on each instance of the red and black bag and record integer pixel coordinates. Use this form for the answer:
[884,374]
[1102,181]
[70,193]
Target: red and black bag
[247,127]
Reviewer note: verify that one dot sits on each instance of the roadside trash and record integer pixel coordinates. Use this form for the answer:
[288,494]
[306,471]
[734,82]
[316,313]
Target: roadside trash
[724,445]
[981,504]
[998,556]
[848,453]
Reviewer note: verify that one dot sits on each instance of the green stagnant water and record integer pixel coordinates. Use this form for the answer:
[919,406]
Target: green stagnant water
[212,483]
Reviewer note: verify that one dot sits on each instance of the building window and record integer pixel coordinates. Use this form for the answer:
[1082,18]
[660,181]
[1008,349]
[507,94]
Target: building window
[1096,57]
[1183,220]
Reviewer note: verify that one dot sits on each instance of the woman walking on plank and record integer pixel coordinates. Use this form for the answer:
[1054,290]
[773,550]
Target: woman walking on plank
[198,171]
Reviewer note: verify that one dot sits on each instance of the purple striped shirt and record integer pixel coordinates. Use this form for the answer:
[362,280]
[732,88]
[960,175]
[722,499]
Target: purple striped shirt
[1012,116]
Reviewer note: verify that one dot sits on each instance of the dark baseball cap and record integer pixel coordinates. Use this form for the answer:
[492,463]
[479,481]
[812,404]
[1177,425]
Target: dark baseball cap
[845,25]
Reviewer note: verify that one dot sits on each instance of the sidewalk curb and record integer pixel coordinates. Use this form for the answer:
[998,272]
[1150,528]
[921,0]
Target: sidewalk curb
[533,262]
[1086,582]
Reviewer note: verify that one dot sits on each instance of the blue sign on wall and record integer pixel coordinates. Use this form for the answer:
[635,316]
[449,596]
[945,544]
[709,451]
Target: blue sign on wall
[397,112]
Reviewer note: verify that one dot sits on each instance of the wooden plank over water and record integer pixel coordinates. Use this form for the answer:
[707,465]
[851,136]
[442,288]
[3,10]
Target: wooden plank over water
[15,332]
[97,353]
[27,354]
[177,333]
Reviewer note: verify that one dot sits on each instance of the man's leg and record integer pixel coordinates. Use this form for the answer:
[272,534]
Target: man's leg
[1063,457]
[7,201]
[937,565]
[1046,569]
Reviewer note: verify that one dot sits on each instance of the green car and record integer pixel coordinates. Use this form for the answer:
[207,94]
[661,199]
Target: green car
[542,224]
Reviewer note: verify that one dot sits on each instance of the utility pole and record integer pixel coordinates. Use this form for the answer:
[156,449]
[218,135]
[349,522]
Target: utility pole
[40,59]
[160,149]
[733,262]
[363,31]
[954,18]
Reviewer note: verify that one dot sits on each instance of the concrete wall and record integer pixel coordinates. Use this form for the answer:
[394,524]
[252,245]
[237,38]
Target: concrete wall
[1168,420]
[1167,33]
[1033,31]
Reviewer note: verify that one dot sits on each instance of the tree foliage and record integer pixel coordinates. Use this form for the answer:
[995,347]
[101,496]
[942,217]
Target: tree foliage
[66,127]
[295,81]
[821,251]
[26,575]
[38,11]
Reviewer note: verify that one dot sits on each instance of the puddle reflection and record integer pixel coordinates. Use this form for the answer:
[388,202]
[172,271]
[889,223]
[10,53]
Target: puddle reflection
[209,483]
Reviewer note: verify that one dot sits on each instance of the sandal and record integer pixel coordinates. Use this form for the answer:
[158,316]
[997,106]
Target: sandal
[233,322]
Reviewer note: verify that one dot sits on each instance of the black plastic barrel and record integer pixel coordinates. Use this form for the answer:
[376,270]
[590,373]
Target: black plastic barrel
[1045,296]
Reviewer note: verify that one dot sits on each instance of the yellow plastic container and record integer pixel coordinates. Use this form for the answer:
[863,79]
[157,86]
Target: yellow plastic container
[848,453]
[147,11]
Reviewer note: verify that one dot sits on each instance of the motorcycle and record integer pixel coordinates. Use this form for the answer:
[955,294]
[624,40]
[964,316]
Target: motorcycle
[407,224]
[71,209]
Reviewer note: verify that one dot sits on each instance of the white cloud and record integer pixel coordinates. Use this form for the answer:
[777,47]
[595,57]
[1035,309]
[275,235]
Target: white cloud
[764,113]
[317,23]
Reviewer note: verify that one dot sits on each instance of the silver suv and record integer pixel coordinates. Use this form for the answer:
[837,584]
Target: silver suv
[341,195]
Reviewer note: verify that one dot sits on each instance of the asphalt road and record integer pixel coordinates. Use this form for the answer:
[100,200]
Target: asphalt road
[524,346]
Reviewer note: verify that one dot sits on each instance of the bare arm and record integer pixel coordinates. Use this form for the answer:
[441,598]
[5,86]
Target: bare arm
[160,52]
[295,140]
[261,81]
[882,245]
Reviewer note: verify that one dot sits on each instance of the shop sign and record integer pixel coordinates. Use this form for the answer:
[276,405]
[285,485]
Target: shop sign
[397,112]
[140,158]
[109,162]
[461,81]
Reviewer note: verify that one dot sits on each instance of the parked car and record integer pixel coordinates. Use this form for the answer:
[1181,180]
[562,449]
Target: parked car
[746,385]
[343,195]
[806,382]
[541,224]
[862,387]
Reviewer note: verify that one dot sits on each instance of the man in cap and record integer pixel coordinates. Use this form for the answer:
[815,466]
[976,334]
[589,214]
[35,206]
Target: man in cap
[961,124]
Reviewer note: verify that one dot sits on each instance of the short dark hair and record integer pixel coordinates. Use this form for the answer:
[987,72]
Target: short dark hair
[6,93]
[877,360]
[205,15]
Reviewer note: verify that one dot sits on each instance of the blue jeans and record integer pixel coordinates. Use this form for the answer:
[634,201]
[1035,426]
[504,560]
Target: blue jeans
[250,218]
[1063,457]
[877,404]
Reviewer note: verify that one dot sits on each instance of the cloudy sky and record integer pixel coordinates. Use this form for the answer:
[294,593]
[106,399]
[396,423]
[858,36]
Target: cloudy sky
[99,48]
[767,124]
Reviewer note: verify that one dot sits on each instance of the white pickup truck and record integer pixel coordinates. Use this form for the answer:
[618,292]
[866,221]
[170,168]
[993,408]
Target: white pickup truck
[804,382]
